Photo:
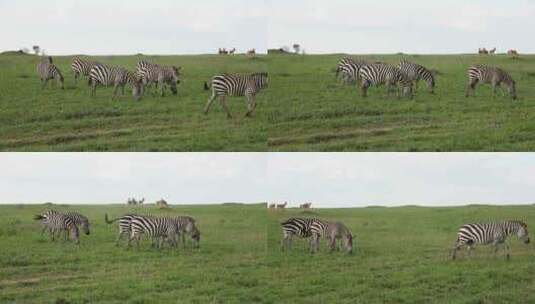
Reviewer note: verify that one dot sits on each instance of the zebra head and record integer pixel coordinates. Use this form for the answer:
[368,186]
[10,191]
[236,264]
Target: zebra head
[176,73]
[523,233]
[85,227]
[196,237]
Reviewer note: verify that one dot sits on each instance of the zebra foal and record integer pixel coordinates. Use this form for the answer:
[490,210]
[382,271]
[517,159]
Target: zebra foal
[56,222]
[47,71]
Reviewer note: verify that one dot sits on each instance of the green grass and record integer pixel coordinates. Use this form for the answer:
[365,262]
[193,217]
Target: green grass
[304,109]
[401,256]
[227,268]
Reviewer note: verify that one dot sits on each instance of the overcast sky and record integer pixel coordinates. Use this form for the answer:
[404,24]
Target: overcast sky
[326,179]
[202,26]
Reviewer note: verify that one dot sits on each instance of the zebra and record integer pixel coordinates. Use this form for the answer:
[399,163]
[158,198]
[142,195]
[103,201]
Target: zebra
[186,225]
[495,233]
[57,222]
[158,228]
[300,227]
[125,225]
[332,231]
[47,70]
[349,68]
[116,76]
[150,73]
[247,85]
[489,75]
[81,67]
[380,73]
[416,72]
[79,220]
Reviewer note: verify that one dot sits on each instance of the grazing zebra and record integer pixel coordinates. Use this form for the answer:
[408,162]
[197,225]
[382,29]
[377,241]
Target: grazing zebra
[489,75]
[150,73]
[116,76]
[349,68]
[495,233]
[79,220]
[186,225]
[125,225]
[236,85]
[81,67]
[416,72]
[158,228]
[57,222]
[47,70]
[300,227]
[379,73]
[332,232]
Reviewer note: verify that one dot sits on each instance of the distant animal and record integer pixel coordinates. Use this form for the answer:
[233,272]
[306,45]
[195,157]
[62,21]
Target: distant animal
[47,71]
[489,75]
[81,67]
[282,206]
[416,72]
[512,53]
[332,231]
[223,51]
[483,51]
[251,53]
[236,85]
[305,206]
[150,73]
[492,51]
[271,206]
[379,74]
[231,52]
[117,77]
[495,233]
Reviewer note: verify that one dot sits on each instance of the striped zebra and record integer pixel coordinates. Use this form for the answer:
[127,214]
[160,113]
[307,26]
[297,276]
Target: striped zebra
[416,72]
[47,71]
[247,85]
[158,229]
[300,227]
[186,225]
[489,75]
[125,225]
[331,231]
[79,220]
[81,67]
[378,74]
[56,222]
[116,76]
[349,68]
[151,73]
[495,233]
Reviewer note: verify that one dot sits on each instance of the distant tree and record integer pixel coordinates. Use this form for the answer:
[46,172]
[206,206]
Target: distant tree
[36,49]
[296,47]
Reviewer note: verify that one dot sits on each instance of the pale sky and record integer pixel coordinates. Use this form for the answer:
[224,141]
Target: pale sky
[326,179]
[202,26]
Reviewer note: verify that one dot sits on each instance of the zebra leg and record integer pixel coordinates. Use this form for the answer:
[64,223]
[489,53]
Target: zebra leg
[223,101]
[470,89]
[75,79]
[250,105]
[364,88]
[209,103]
[43,83]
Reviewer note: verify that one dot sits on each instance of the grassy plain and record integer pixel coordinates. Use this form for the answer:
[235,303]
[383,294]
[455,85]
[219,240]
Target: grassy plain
[304,109]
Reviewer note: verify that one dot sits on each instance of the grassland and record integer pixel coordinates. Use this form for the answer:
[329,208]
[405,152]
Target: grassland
[401,256]
[304,109]
[227,268]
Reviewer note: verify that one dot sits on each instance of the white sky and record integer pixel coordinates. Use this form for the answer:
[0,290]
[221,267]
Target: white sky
[326,179]
[202,26]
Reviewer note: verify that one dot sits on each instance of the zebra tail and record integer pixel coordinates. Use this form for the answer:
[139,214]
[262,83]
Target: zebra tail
[38,217]
[206,86]
[108,220]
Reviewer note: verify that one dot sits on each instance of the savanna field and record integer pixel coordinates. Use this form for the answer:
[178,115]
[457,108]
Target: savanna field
[401,255]
[304,109]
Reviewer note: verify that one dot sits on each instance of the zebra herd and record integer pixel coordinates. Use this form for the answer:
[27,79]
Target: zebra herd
[148,74]
[407,75]
[469,235]
[159,229]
